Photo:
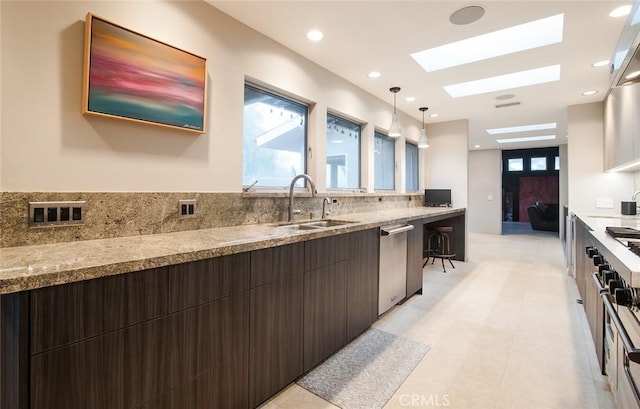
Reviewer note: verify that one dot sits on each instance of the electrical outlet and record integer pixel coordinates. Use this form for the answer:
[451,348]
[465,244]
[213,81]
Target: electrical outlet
[186,208]
[54,214]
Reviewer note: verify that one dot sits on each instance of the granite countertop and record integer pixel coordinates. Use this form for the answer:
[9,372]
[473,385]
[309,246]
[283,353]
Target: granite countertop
[598,224]
[30,267]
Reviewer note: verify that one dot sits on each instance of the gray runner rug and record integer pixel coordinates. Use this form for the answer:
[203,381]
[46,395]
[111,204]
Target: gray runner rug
[366,373]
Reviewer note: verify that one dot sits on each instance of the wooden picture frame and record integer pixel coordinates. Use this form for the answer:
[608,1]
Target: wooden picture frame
[132,77]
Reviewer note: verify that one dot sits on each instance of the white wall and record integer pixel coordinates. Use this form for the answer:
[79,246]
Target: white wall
[47,145]
[446,159]
[485,191]
[563,194]
[587,180]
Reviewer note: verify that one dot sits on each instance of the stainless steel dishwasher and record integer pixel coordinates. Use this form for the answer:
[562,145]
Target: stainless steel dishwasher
[393,266]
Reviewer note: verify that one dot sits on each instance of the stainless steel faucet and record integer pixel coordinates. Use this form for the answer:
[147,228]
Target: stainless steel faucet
[635,194]
[326,201]
[311,186]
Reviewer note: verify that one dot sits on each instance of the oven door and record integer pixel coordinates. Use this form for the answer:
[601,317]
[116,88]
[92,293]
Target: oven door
[628,362]
[610,350]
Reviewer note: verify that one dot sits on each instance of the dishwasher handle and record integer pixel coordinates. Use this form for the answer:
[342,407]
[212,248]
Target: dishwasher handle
[395,229]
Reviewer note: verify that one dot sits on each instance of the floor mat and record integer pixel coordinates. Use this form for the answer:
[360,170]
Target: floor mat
[366,373]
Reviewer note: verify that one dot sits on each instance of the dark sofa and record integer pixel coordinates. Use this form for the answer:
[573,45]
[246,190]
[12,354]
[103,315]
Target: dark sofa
[543,216]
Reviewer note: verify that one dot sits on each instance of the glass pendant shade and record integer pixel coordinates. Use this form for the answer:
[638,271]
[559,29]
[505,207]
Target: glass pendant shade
[423,142]
[395,130]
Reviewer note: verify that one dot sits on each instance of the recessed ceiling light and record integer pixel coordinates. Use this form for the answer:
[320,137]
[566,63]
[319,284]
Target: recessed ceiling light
[587,93]
[527,139]
[522,128]
[477,146]
[620,11]
[506,81]
[504,96]
[522,37]
[602,63]
[410,99]
[374,74]
[434,115]
[315,35]
[466,15]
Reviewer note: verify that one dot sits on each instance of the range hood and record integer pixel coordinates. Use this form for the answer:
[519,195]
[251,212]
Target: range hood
[624,68]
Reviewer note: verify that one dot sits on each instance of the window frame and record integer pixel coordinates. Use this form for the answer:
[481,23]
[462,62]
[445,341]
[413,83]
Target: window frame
[417,169]
[282,95]
[515,170]
[532,158]
[360,125]
[385,137]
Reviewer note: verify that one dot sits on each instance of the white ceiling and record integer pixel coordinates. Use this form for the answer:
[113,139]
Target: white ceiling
[363,36]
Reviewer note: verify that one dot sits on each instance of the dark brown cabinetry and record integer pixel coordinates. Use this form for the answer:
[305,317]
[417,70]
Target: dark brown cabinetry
[362,281]
[275,335]
[340,292]
[154,338]
[224,332]
[414,258]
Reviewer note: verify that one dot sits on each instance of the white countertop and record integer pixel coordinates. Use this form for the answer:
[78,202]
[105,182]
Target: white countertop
[598,224]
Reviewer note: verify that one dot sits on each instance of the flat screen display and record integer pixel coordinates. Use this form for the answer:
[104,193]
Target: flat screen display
[437,197]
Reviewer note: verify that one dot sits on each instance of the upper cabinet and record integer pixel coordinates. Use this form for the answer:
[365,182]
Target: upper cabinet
[622,126]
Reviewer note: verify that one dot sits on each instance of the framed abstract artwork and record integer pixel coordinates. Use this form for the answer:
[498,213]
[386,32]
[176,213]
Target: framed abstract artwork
[133,77]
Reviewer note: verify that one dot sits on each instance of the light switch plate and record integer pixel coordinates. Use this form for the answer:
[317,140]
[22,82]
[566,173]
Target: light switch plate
[490,197]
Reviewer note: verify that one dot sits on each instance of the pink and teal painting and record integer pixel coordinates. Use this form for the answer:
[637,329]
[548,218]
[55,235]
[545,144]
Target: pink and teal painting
[138,78]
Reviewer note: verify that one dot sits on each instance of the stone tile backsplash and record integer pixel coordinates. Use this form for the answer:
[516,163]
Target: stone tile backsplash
[115,214]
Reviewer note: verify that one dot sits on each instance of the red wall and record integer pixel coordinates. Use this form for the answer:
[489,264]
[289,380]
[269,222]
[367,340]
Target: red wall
[536,188]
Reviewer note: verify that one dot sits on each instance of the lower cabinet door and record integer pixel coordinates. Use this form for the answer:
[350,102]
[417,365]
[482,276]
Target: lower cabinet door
[325,312]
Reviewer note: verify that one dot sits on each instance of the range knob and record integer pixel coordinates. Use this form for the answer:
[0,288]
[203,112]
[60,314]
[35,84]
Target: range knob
[591,251]
[614,285]
[603,267]
[624,297]
[598,259]
[609,276]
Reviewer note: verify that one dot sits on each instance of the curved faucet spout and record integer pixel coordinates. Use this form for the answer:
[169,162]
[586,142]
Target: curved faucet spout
[311,186]
[635,194]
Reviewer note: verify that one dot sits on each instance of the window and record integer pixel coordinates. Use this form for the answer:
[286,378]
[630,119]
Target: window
[538,163]
[557,163]
[515,165]
[411,159]
[343,153]
[274,139]
[384,162]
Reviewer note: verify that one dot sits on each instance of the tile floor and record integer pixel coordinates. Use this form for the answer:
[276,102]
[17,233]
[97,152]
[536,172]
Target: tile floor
[505,332]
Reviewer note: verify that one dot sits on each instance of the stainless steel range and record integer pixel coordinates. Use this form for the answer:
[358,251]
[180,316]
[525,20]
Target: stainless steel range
[621,318]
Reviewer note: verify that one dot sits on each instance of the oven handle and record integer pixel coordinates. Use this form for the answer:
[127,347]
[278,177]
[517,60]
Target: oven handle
[632,382]
[601,289]
[632,352]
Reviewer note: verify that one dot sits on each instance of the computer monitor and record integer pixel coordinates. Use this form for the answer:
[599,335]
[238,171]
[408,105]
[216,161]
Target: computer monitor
[437,197]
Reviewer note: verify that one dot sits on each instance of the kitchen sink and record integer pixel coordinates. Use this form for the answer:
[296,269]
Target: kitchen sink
[315,225]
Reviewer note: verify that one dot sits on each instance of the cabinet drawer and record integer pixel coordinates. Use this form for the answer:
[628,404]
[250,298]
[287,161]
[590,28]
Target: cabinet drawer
[72,312]
[199,282]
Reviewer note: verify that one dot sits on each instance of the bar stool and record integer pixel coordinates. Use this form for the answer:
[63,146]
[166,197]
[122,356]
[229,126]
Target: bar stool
[439,246]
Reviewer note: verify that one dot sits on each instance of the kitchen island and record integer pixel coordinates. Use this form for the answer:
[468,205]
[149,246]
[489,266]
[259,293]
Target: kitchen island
[196,319]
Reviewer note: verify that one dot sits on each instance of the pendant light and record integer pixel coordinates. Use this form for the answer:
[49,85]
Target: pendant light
[395,130]
[423,142]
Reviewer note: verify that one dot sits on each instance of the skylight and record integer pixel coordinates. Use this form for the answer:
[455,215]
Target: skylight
[527,139]
[534,34]
[506,81]
[522,128]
